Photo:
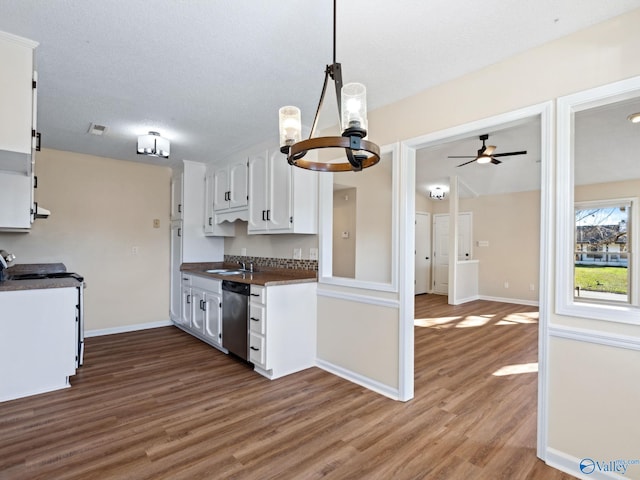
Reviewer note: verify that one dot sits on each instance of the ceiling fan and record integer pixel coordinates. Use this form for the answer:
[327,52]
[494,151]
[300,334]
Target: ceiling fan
[486,155]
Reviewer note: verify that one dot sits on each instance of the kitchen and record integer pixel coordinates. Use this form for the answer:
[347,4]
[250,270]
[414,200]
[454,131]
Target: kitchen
[109,207]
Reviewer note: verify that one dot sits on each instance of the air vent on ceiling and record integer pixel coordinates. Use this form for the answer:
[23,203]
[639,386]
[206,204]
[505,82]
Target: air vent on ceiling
[95,129]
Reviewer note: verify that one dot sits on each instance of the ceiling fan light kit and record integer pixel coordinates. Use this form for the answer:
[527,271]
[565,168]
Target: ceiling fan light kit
[485,154]
[352,110]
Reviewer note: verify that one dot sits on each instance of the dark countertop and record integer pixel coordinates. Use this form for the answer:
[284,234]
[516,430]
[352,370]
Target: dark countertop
[262,276]
[39,283]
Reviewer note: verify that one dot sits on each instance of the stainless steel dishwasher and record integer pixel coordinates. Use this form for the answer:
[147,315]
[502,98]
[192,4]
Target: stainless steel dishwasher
[235,317]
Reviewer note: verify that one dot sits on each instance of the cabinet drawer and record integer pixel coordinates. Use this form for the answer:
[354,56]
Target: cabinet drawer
[209,284]
[257,318]
[257,354]
[257,294]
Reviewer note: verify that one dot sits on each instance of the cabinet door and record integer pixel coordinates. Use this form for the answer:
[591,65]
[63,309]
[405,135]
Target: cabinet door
[213,317]
[15,200]
[209,192]
[175,274]
[238,184]
[221,189]
[198,310]
[258,209]
[176,196]
[279,192]
[16,94]
[185,317]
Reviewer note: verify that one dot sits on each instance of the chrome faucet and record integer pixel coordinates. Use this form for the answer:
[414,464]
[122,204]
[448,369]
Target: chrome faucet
[242,265]
[251,267]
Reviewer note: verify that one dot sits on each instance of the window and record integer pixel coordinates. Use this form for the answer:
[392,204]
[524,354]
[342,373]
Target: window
[602,267]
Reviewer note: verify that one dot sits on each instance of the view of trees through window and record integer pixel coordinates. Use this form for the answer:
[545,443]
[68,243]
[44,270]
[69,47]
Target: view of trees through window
[602,253]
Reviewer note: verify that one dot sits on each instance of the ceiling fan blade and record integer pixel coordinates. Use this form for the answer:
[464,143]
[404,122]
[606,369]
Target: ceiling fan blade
[509,154]
[495,161]
[489,150]
[466,163]
[462,156]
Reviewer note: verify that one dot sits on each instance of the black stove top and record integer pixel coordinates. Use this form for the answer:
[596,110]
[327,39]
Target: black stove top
[39,276]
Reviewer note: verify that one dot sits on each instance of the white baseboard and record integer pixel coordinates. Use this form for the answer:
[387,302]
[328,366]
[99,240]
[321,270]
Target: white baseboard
[518,301]
[127,328]
[571,465]
[366,382]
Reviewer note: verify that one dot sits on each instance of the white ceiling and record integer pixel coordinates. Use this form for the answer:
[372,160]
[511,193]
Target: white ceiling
[211,75]
[607,149]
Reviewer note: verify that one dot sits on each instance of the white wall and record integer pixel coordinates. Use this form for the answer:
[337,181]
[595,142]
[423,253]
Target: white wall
[100,209]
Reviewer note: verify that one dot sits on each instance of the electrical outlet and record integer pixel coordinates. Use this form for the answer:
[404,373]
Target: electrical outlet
[532,287]
[243,252]
[297,254]
[313,254]
[506,284]
[156,223]
[135,250]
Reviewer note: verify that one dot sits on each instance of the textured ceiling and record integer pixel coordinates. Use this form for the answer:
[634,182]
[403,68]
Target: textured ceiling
[210,74]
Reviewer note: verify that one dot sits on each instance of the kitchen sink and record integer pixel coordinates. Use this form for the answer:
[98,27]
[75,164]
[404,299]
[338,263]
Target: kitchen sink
[226,271]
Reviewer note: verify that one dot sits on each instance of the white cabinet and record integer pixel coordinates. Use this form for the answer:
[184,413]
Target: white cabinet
[230,186]
[38,341]
[16,95]
[212,224]
[17,131]
[176,196]
[202,308]
[282,198]
[188,242]
[282,328]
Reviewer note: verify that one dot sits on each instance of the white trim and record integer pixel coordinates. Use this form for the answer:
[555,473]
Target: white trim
[406,267]
[127,328]
[565,216]
[325,237]
[595,336]
[22,41]
[517,301]
[460,301]
[356,297]
[544,110]
[571,465]
[361,380]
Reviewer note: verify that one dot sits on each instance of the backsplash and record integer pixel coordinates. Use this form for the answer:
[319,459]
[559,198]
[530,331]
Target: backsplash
[274,262]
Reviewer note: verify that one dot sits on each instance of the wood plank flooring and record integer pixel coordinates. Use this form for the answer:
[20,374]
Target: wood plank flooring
[159,404]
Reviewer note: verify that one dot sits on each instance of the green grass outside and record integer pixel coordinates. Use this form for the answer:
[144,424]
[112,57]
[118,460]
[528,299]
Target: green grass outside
[601,279]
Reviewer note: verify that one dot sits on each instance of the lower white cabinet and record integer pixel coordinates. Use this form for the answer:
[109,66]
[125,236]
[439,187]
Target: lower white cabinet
[202,308]
[282,328]
[38,341]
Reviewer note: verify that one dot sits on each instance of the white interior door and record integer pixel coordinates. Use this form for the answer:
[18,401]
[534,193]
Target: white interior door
[441,254]
[423,253]
[441,248]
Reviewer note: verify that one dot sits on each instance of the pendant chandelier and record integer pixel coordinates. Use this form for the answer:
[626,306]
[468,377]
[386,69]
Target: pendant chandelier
[352,109]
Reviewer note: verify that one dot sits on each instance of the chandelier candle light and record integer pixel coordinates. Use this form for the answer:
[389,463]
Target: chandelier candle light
[352,110]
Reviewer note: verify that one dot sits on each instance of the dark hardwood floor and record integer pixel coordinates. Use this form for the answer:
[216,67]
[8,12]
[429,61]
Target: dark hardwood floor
[159,404]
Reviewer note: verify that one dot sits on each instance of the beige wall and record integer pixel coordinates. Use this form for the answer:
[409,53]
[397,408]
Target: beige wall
[274,245]
[344,220]
[100,209]
[595,56]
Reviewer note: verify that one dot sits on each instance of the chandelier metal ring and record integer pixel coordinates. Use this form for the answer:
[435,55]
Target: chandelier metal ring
[302,147]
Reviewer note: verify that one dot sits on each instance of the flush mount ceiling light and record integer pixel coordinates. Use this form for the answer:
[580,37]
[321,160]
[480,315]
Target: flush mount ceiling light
[437,193]
[352,109]
[153,145]
[634,117]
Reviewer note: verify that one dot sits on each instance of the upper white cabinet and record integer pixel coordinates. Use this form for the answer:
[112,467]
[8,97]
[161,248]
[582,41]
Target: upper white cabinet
[282,198]
[17,131]
[16,94]
[230,186]
[176,196]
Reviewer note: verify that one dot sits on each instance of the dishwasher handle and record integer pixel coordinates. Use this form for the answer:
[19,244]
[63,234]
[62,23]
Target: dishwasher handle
[236,287]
